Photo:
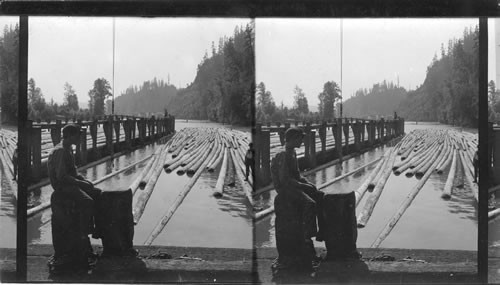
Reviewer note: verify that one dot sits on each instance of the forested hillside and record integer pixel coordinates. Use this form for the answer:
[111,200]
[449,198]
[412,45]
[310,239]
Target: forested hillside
[222,90]
[449,93]
[382,99]
[153,97]
[9,63]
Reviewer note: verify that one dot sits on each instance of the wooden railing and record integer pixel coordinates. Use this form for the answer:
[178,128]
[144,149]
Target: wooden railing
[365,134]
[136,132]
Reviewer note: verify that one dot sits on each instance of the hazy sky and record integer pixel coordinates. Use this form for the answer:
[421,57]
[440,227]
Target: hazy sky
[79,50]
[306,52]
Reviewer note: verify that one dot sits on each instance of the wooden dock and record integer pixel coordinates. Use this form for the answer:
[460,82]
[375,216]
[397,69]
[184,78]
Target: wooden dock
[191,264]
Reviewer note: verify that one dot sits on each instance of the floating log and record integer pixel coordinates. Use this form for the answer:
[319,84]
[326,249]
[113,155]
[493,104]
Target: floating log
[138,181]
[377,191]
[247,189]
[219,186]
[148,190]
[422,168]
[328,183]
[451,177]
[493,213]
[360,192]
[402,209]
[468,178]
[170,212]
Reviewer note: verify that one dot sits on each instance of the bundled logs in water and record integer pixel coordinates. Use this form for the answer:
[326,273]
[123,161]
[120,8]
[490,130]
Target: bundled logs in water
[8,140]
[419,154]
[193,150]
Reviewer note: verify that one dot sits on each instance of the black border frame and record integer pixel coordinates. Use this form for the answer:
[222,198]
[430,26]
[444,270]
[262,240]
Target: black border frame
[252,9]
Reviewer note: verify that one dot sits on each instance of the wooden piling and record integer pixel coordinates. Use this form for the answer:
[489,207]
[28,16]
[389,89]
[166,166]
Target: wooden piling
[312,149]
[83,146]
[266,156]
[36,144]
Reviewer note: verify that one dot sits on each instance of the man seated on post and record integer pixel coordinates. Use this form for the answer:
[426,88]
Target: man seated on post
[65,179]
[296,187]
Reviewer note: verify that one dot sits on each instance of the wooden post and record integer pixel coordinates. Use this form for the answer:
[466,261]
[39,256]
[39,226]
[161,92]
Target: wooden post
[363,130]
[337,134]
[322,137]
[356,130]
[345,128]
[36,140]
[382,127]
[116,126]
[55,133]
[266,155]
[83,146]
[307,144]
[93,134]
[371,132]
[142,130]
[312,147]
[108,133]
[128,133]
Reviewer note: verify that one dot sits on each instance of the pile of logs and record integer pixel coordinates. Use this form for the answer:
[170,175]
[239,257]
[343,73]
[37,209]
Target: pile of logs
[8,142]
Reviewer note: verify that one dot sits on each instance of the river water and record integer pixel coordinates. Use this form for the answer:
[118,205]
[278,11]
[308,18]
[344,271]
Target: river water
[205,221]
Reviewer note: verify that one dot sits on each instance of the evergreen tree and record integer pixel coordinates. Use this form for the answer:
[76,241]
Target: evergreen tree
[70,98]
[98,94]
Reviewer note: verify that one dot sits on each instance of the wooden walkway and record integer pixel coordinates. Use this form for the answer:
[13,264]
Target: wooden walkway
[238,265]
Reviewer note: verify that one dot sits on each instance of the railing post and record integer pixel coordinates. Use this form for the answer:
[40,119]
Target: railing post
[55,133]
[312,147]
[108,133]
[83,145]
[266,155]
[337,135]
[36,140]
[345,128]
[93,134]
[116,126]
[322,136]
[356,129]
[29,148]
[307,144]
[371,132]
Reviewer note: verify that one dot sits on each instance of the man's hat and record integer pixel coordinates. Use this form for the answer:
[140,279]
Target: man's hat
[293,132]
[70,130]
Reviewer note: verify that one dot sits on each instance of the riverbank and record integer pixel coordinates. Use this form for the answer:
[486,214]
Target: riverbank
[199,264]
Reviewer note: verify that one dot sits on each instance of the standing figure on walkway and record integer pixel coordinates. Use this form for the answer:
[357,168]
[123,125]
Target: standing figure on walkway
[250,161]
[74,197]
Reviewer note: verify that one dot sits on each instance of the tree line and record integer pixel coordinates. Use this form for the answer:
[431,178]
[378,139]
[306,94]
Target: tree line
[222,90]
[449,93]
[267,110]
